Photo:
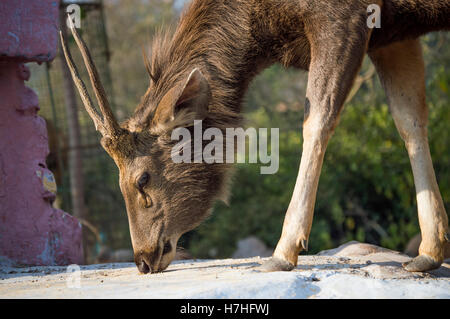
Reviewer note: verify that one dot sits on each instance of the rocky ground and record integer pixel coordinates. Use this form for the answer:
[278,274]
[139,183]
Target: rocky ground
[353,270]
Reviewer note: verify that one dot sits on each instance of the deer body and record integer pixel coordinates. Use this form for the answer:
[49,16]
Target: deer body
[202,73]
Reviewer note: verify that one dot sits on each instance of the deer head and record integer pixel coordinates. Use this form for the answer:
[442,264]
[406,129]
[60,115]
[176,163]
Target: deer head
[163,199]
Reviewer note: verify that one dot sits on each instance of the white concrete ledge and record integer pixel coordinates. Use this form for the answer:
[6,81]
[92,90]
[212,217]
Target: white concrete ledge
[365,273]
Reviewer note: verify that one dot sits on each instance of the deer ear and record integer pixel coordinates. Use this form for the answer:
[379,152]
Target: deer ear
[184,103]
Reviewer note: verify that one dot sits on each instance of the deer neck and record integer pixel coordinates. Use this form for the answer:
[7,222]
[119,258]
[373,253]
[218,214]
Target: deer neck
[218,38]
[231,56]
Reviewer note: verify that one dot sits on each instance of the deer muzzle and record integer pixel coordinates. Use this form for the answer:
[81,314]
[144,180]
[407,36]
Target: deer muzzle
[148,261]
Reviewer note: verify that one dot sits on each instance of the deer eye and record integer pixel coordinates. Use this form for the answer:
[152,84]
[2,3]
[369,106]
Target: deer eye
[143,180]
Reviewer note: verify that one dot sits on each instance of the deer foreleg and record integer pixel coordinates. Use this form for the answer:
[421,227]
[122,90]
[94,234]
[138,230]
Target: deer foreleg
[335,61]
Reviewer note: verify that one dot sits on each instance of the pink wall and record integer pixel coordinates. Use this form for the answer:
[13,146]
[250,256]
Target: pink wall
[31,231]
[28,29]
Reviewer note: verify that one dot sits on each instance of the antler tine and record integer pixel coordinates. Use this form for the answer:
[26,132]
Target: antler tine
[109,121]
[98,122]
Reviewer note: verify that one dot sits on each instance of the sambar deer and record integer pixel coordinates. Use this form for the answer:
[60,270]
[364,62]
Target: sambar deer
[202,71]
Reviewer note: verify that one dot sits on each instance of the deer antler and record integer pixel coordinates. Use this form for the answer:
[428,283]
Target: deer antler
[107,126]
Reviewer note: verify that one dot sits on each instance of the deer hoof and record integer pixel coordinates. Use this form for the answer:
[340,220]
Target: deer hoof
[276,264]
[421,263]
[447,237]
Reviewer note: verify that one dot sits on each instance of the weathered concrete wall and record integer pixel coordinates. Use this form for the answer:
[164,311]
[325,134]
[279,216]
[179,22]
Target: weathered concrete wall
[31,230]
[28,29]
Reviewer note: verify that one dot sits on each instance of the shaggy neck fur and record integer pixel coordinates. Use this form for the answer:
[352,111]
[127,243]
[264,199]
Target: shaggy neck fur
[214,36]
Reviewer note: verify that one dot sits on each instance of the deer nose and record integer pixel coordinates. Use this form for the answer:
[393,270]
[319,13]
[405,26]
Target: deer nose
[145,263]
[142,266]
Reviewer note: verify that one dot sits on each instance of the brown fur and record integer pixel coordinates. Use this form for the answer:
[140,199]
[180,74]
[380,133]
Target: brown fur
[228,42]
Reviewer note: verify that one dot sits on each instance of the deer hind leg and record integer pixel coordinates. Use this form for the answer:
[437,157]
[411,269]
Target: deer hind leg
[401,70]
[335,61]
